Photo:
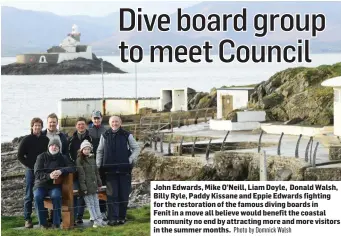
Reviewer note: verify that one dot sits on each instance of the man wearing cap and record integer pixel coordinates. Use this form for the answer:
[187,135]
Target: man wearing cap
[48,167]
[29,149]
[116,153]
[95,132]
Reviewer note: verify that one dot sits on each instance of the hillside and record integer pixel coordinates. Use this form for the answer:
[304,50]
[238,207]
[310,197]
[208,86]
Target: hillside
[296,94]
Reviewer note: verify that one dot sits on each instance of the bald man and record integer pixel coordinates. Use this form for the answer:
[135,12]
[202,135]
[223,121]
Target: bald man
[116,153]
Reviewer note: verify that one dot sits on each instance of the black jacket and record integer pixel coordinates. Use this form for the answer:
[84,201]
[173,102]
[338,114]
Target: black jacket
[47,163]
[30,147]
[75,144]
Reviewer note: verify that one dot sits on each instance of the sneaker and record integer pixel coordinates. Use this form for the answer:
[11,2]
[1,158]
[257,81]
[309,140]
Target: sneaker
[104,216]
[79,221]
[97,224]
[28,224]
[103,223]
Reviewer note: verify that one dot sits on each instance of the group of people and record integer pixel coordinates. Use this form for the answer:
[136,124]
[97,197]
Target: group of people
[96,156]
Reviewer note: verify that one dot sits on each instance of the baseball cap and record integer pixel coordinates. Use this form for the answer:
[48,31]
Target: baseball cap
[96,114]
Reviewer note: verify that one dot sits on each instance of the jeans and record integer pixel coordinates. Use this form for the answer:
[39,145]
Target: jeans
[29,181]
[79,204]
[118,190]
[56,197]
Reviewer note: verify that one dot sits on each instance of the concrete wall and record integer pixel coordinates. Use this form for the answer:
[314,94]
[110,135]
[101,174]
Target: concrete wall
[51,58]
[246,116]
[237,126]
[78,108]
[74,55]
[240,99]
[166,97]
[337,111]
[73,108]
[127,106]
[292,130]
[179,100]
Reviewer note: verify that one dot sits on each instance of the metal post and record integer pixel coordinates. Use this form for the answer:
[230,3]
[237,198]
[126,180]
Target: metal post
[222,145]
[297,145]
[260,141]
[314,158]
[161,142]
[169,144]
[279,145]
[208,149]
[180,147]
[306,158]
[193,147]
[136,81]
[102,79]
[262,167]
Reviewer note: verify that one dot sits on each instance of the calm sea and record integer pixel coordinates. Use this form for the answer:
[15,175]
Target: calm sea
[24,97]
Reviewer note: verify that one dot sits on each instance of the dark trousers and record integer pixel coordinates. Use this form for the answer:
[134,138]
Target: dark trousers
[118,190]
[102,203]
[29,182]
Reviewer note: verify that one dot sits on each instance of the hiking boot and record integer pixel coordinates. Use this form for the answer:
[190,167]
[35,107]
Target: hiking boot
[28,224]
[113,223]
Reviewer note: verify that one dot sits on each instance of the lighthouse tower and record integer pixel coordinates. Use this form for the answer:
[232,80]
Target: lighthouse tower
[75,33]
[70,43]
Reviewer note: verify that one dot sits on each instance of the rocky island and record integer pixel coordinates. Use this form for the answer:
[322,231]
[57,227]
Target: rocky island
[76,66]
[70,57]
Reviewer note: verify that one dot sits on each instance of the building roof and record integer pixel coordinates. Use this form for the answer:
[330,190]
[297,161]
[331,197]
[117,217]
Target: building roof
[333,82]
[237,88]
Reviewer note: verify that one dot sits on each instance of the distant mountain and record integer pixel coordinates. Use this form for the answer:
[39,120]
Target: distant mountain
[24,31]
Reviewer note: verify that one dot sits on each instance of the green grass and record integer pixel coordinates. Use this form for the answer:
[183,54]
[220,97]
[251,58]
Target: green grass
[138,225]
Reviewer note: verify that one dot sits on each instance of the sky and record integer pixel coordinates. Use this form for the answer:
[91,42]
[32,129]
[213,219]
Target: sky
[98,8]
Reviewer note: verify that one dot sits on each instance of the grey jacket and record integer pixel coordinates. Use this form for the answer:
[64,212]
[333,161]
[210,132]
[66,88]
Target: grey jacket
[134,146]
[96,133]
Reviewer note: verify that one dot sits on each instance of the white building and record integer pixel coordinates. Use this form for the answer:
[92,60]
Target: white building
[336,84]
[177,99]
[229,99]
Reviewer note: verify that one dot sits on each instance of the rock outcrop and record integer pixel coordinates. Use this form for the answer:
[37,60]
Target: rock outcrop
[296,94]
[204,100]
[76,66]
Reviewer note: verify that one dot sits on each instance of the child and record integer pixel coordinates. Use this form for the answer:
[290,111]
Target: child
[89,182]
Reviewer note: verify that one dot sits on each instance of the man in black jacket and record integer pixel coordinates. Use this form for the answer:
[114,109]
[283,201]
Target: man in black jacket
[29,149]
[48,167]
[75,141]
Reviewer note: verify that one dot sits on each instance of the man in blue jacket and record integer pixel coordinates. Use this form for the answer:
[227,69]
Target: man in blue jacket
[116,153]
